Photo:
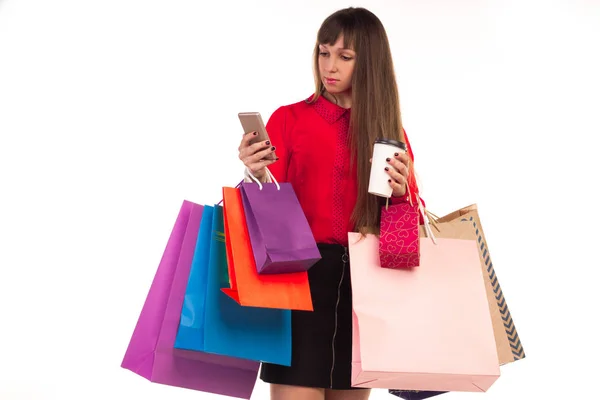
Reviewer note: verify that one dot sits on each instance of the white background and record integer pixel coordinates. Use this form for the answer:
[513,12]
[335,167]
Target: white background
[112,112]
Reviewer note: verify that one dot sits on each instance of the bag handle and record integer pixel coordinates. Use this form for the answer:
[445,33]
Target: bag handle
[427,222]
[269,174]
[236,186]
[248,174]
[422,210]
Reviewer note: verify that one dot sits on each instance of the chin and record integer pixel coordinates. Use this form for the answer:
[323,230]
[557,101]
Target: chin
[334,90]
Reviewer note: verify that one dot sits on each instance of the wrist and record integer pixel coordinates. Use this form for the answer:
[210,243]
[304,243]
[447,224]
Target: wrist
[401,196]
[265,179]
[262,177]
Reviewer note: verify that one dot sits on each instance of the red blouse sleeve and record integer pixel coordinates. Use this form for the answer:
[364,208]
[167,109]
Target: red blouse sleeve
[414,188]
[412,185]
[276,128]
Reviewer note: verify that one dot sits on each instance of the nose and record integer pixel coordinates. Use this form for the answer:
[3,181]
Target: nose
[330,64]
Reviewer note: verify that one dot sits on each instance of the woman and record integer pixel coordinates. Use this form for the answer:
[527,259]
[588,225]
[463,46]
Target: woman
[322,146]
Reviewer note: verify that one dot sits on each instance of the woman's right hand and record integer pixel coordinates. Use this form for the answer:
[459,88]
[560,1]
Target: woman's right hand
[256,157]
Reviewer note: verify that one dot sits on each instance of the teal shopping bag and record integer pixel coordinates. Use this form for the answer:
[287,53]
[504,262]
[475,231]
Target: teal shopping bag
[259,334]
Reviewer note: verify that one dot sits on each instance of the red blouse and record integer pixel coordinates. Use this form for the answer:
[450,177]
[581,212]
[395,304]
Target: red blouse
[314,156]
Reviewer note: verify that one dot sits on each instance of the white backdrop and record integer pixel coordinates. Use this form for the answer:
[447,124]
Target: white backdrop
[112,112]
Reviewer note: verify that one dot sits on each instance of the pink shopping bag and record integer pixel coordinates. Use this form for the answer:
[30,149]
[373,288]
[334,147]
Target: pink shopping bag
[151,352]
[426,328]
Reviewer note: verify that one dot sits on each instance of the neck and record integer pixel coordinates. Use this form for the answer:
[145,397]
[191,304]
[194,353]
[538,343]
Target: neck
[343,99]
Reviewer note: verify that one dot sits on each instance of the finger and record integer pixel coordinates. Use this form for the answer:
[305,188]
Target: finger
[399,166]
[403,157]
[249,136]
[250,150]
[246,139]
[397,188]
[259,146]
[255,167]
[395,175]
[245,143]
[261,155]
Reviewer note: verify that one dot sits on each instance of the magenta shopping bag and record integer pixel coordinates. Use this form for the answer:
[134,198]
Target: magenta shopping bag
[281,238]
[151,352]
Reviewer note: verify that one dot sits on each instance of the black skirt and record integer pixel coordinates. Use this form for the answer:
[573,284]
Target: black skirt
[321,339]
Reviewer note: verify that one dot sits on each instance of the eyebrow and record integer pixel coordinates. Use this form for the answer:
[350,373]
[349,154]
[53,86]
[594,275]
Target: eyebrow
[340,49]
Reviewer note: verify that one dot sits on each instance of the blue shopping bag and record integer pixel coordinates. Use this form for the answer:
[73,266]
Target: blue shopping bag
[252,333]
[190,335]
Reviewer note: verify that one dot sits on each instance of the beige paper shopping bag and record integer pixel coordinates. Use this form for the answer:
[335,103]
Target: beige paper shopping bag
[465,224]
[426,328]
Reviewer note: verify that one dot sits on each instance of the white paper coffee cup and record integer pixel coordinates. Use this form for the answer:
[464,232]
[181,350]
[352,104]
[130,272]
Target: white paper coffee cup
[382,150]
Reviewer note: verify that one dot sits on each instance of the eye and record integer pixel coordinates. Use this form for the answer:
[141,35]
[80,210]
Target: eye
[346,58]
[323,53]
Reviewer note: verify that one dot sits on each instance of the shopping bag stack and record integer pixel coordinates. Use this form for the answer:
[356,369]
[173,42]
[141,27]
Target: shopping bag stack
[429,316]
[152,353]
[465,224]
[222,296]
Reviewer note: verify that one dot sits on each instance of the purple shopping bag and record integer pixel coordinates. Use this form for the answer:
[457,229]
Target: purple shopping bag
[281,238]
[151,352]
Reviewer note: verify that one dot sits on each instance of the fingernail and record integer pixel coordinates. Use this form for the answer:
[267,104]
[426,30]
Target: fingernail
[273,148]
[277,159]
[387,169]
[387,159]
[268,143]
[389,181]
[396,154]
[255,133]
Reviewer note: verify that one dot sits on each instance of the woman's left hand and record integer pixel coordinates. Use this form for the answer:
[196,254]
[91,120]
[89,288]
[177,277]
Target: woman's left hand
[398,174]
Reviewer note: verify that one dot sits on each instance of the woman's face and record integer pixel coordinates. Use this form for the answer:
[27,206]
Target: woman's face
[336,65]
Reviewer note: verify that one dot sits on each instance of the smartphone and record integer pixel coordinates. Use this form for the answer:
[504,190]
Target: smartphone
[252,122]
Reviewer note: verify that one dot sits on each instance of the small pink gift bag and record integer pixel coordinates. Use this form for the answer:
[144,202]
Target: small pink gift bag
[399,236]
[399,244]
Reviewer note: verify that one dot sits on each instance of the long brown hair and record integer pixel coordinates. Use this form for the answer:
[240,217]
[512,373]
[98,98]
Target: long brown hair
[375,100]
